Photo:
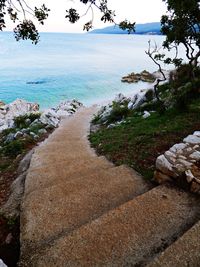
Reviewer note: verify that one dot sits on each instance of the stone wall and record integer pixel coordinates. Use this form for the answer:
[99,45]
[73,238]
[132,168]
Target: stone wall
[181,163]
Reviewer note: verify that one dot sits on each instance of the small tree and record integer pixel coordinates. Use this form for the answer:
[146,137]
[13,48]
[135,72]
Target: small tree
[156,57]
[181,25]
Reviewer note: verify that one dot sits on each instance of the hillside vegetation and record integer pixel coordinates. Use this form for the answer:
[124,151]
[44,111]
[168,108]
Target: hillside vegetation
[137,134]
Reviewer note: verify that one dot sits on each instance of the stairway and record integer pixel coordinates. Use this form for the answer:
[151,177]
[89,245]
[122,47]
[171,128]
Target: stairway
[81,210]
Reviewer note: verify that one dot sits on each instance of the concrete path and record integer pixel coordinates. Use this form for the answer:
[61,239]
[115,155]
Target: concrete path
[80,210]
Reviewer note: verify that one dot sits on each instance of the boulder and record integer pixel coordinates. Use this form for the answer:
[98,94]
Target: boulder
[138,100]
[144,76]
[2,264]
[17,108]
[197,133]
[49,117]
[163,165]
[195,155]
[192,139]
[120,98]
[177,148]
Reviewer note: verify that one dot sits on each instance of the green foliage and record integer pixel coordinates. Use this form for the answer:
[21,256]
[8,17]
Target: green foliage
[8,131]
[13,149]
[149,95]
[182,75]
[181,25]
[35,128]
[119,112]
[96,119]
[126,25]
[138,141]
[20,121]
[183,96]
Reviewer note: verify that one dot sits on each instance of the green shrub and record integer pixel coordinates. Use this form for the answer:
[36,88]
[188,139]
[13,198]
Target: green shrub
[14,148]
[149,95]
[20,121]
[183,75]
[34,116]
[118,112]
[35,128]
[96,119]
[183,96]
[7,131]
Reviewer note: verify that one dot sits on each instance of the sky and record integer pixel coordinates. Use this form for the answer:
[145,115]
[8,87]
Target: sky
[139,11]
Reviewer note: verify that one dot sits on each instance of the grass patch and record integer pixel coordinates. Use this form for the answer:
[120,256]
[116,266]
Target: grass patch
[138,142]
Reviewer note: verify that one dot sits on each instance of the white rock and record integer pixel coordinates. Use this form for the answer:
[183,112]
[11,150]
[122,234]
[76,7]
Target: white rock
[63,113]
[189,176]
[42,131]
[179,168]
[50,118]
[17,108]
[195,155]
[110,126]
[197,133]
[192,139]
[2,122]
[169,154]
[130,105]
[119,98]
[182,157]
[185,163]
[164,165]
[178,147]
[18,135]
[2,264]
[189,149]
[138,100]
[146,114]
[2,116]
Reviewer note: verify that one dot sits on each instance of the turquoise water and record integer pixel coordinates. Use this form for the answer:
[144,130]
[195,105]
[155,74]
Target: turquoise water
[65,66]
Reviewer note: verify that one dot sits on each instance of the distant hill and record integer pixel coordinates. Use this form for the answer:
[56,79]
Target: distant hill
[147,28]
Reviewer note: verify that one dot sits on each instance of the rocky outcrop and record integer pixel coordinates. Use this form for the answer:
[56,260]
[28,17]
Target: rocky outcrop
[50,117]
[53,116]
[144,76]
[180,164]
[122,102]
[17,108]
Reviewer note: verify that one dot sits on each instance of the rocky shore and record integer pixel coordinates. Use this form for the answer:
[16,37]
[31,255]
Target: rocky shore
[144,76]
[49,117]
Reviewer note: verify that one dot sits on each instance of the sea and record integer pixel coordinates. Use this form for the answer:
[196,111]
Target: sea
[86,67]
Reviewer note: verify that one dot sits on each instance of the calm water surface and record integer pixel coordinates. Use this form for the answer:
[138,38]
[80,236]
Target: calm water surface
[64,66]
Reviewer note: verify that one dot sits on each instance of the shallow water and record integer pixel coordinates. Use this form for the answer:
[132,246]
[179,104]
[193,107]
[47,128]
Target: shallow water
[87,67]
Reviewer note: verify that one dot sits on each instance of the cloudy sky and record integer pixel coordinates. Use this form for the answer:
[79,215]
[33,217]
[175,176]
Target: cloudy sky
[141,11]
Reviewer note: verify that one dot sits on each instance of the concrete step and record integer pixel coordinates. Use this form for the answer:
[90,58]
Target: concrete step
[48,175]
[36,180]
[184,252]
[69,204]
[127,236]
